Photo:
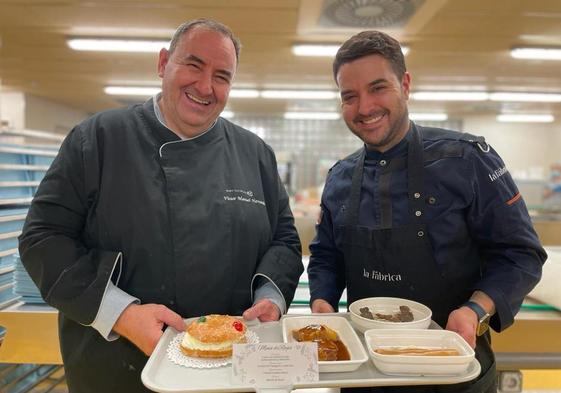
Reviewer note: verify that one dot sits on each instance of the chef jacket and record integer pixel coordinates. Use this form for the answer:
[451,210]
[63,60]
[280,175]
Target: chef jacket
[185,223]
[470,197]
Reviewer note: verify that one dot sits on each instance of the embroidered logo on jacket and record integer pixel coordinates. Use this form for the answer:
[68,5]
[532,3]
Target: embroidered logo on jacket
[379,276]
[497,173]
[241,196]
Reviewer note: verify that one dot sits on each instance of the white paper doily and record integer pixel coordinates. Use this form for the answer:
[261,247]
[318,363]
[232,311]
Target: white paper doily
[178,357]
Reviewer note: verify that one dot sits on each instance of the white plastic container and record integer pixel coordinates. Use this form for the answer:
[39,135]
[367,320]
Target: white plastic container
[389,305]
[418,365]
[345,332]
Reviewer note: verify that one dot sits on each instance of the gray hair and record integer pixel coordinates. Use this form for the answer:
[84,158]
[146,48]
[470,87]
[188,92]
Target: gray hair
[370,42]
[208,24]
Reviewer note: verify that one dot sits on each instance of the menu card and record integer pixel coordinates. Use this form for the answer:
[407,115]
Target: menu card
[275,364]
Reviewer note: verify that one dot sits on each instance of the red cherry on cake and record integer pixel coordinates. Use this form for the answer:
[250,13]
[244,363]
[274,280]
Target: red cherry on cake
[238,326]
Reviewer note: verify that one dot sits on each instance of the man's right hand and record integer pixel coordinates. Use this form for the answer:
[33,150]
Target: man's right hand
[321,306]
[142,324]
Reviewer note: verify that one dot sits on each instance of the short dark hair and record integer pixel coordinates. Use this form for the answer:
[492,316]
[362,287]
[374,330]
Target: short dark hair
[209,24]
[370,42]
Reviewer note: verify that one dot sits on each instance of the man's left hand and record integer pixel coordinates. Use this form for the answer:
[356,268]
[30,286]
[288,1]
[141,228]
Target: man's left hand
[264,309]
[464,322]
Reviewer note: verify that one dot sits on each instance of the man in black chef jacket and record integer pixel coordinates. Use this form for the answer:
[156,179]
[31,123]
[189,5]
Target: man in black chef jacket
[420,213]
[159,212]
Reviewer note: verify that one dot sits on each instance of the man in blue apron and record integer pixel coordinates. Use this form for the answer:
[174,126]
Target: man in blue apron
[421,213]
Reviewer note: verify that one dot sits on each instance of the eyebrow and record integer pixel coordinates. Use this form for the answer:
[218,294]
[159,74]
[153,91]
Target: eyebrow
[377,82]
[197,59]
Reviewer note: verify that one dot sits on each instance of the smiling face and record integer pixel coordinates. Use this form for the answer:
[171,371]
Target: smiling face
[196,80]
[374,101]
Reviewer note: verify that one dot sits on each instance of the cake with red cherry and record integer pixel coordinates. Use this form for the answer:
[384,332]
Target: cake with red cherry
[212,336]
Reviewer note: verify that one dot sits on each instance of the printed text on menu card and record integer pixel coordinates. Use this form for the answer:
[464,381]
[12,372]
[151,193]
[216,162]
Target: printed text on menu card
[275,364]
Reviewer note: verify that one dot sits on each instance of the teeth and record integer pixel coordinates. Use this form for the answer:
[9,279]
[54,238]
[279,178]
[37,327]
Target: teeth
[198,100]
[372,120]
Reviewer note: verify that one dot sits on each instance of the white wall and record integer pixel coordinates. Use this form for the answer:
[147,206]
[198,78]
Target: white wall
[24,111]
[523,146]
[45,115]
[12,109]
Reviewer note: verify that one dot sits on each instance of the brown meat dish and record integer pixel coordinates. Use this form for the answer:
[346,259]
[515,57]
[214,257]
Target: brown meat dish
[403,315]
[330,348]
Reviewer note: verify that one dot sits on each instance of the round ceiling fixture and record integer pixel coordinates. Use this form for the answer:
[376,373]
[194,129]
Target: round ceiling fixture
[370,13]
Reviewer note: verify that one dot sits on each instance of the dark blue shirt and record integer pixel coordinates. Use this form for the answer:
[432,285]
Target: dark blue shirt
[469,197]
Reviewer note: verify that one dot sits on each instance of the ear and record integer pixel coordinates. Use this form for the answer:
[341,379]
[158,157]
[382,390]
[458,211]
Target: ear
[406,84]
[162,61]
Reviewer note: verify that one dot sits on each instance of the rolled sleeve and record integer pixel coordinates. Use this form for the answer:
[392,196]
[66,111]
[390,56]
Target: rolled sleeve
[269,291]
[113,304]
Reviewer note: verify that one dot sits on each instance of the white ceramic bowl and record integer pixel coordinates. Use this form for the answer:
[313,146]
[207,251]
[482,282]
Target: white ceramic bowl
[345,332]
[418,365]
[389,305]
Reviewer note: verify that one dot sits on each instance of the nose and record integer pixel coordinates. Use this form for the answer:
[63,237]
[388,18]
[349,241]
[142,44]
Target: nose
[365,105]
[204,84]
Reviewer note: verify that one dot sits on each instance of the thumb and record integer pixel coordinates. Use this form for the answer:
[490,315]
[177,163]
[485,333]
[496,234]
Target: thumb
[259,309]
[173,319]
[321,306]
[252,313]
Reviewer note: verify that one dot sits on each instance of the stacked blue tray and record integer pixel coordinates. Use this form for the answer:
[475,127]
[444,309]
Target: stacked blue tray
[21,171]
[7,295]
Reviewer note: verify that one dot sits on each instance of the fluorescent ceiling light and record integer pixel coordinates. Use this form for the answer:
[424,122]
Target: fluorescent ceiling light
[327,50]
[244,93]
[450,96]
[429,116]
[520,118]
[227,114]
[131,90]
[116,45]
[300,94]
[525,97]
[315,50]
[536,53]
[312,115]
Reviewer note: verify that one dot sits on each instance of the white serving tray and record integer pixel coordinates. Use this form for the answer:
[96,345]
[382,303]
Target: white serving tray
[161,375]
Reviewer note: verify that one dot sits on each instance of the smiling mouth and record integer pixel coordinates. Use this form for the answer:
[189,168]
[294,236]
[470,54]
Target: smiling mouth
[197,99]
[372,120]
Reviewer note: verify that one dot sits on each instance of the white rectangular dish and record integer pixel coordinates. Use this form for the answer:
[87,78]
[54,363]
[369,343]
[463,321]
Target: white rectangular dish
[345,332]
[418,364]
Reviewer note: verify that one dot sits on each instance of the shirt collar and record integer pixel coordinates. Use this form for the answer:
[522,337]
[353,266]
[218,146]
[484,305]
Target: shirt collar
[160,117]
[398,150]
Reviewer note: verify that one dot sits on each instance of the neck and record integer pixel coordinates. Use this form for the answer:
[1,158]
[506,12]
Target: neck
[169,122]
[403,130]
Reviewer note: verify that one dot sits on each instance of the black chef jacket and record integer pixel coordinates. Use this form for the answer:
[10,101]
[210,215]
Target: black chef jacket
[184,223]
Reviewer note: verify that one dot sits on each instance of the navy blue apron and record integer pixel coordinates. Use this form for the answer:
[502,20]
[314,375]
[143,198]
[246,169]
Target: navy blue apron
[398,262]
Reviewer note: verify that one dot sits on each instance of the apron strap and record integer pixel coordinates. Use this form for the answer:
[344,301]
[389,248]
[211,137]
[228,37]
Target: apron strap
[477,140]
[353,206]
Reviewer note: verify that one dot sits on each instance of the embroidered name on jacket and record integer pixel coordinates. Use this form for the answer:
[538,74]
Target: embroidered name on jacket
[379,276]
[497,173]
[241,196]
